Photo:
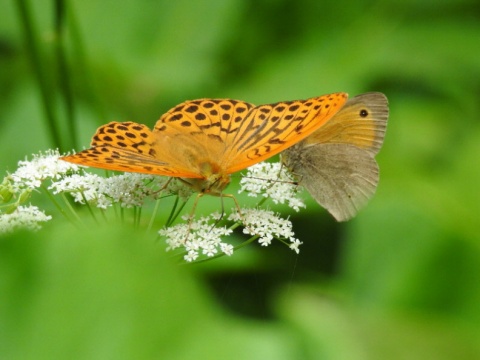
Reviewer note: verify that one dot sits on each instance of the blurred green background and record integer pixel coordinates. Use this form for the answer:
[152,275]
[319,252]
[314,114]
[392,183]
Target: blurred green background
[401,281]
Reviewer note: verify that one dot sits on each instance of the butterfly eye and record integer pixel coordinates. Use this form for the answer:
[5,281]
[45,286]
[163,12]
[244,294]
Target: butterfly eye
[363,113]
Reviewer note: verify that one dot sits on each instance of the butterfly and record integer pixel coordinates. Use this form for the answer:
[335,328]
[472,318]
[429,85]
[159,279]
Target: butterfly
[203,141]
[336,164]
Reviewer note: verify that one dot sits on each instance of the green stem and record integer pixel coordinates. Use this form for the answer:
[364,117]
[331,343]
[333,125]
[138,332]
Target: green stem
[175,212]
[70,207]
[137,216]
[81,63]
[33,46]
[64,76]
[55,202]
[175,204]
[154,215]
[104,215]
[89,208]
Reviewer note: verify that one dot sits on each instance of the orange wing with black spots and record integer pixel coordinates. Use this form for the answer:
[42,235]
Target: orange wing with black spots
[235,134]
[125,146]
[201,138]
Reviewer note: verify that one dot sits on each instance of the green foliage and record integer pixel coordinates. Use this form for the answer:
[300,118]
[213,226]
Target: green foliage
[398,282]
[112,293]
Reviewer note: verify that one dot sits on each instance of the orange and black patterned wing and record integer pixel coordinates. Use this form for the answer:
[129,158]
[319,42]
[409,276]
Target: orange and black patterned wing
[127,146]
[197,133]
[270,129]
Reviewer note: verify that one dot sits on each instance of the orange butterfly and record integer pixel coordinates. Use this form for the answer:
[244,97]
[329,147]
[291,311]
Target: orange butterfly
[204,141]
[336,164]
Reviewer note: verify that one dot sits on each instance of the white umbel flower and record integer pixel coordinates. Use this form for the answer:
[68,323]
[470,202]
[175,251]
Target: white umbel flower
[83,187]
[198,237]
[271,180]
[31,173]
[267,225]
[128,190]
[23,217]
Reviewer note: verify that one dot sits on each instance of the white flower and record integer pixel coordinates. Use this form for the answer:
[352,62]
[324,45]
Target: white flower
[128,190]
[30,174]
[131,189]
[198,236]
[267,225]
[24,217]
[192,255]
[226,248]
[295,244]
[271,180]
[203,236]
[82,188]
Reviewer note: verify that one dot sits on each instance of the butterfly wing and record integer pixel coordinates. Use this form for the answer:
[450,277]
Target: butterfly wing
[361,122]
[127,146]
[269,129]
[198,133]
[216,118]
[202,137]
[336,163]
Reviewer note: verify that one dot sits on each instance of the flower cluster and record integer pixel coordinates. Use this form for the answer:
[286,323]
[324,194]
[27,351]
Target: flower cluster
[128,190]
[23,217]
[198,236]
[267,226]
[201,237]
[271,180]
[31,173]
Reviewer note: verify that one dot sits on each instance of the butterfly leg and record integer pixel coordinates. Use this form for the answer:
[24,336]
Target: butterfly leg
[242,217]
[165,186]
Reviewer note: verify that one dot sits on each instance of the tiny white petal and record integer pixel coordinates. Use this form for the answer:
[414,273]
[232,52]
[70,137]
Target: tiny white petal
[191,256]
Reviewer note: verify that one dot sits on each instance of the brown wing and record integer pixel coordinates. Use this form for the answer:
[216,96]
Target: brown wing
[361,122]
[336,164]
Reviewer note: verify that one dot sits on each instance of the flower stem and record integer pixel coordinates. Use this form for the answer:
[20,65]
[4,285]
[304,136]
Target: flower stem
[33,46]
[63,70]
[89,208]
[72,210]
[154,214]
[174,214]
[55,202]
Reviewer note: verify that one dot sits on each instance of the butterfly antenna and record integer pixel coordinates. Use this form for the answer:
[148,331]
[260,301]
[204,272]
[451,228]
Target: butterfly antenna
[295,176]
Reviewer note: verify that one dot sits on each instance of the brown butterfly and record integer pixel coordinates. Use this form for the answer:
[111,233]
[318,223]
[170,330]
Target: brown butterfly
[336,164]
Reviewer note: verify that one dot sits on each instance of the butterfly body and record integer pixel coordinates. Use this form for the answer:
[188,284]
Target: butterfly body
[204,141]
[213,180]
